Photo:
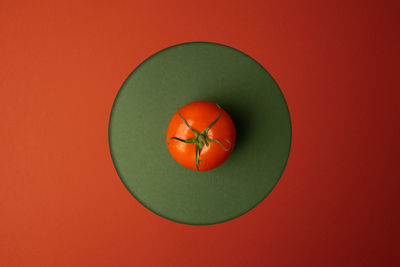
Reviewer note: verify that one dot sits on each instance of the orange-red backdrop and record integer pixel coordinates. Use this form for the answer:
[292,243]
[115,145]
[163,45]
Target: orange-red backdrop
[61,65]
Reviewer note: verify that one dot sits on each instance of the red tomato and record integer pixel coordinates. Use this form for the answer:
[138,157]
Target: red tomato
[201,136]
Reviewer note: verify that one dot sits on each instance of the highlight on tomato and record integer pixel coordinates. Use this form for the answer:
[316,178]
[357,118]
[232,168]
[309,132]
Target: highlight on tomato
[201,136]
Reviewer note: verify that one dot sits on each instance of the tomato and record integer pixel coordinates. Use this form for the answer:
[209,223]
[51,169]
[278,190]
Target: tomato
[201,136]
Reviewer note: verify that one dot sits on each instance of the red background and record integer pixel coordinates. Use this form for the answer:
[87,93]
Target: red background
[61,201]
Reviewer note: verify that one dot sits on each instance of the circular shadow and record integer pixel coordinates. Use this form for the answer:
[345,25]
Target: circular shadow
[167,81]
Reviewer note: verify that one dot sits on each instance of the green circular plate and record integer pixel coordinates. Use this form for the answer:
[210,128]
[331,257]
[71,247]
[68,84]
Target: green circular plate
[176,76]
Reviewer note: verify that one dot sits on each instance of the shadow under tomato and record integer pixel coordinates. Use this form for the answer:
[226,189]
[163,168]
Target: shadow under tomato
[242,116]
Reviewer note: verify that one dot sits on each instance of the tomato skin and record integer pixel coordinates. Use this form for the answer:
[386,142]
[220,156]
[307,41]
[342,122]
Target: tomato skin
[199,115]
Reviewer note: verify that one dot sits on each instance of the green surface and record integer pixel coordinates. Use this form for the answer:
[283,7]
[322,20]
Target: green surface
[176,76]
